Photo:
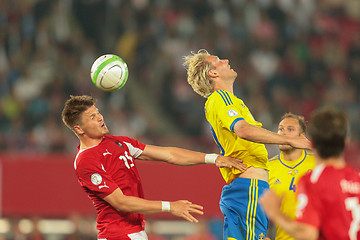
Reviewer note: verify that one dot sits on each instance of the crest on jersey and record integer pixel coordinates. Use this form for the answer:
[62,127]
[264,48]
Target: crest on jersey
[96,179]
[232,113]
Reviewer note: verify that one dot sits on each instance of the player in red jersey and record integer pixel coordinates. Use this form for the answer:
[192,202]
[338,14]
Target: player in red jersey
[329,197]
[107,172]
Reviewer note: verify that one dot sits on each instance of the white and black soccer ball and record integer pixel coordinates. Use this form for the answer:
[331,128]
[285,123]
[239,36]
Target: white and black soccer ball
[109,72]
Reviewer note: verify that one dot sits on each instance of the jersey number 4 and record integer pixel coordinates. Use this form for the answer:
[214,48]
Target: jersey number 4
[292,185]
[128,161]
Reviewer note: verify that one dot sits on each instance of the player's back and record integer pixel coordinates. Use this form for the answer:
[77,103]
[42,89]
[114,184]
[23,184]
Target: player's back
[334,196]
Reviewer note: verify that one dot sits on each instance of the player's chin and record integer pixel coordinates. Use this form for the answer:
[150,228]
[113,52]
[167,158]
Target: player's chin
[105,130]
[285,147]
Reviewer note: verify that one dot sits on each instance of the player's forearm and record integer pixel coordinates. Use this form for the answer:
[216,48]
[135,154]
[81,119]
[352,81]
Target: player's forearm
[297,230]
[185,157]
[123,203]
[139,205]
[259,135]
[172,155]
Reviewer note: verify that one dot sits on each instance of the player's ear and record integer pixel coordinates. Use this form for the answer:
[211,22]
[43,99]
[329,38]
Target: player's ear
[78,130]
[213,73]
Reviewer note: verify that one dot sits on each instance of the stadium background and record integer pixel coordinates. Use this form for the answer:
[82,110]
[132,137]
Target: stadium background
[290,56]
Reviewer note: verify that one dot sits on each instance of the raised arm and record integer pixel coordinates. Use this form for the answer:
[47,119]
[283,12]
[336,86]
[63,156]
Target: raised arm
[185,157]
[181,208]
[256,134]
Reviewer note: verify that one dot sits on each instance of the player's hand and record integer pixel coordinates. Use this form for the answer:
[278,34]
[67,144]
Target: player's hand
[300,142]
[271,203]
[229,162]
[184,209]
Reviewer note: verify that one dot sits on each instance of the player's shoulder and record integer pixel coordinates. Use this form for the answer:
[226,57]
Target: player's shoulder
[310,160]
[86,157]
[119,138]
[133,146]
[323,173]
[309,153]
[352,173]
[222,97]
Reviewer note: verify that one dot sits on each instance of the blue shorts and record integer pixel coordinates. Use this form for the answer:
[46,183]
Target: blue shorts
[244,218]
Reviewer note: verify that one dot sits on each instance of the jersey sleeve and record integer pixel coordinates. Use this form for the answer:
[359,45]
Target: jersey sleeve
[227,110]
[308,209]
[134,146]
[92,176]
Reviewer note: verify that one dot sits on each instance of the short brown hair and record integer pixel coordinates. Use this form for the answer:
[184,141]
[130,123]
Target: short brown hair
[300,119]
[328,129]
[198,72]
[74,107]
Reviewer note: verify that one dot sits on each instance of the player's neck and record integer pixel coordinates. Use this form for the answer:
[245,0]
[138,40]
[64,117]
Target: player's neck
[337,162]
[292,155]
[224,86]
[86,142]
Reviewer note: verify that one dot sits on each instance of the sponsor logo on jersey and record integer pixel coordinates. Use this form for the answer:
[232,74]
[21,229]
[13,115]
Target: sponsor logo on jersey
[96,179]
[293,172]
[261,236]
[106,153]
[232,113]
[277,181]
[103,186]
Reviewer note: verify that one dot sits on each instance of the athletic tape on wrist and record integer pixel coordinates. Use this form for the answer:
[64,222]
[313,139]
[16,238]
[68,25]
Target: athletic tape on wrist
[211,158]
[165,206]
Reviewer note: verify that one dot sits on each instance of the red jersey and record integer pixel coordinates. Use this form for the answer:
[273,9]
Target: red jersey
[103,168]
[329,200]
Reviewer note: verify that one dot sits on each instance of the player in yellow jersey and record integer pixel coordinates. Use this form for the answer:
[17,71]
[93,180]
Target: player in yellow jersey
[286,168]
[239,135]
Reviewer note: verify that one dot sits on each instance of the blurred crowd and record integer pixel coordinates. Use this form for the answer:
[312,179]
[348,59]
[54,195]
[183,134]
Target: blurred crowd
[290,55]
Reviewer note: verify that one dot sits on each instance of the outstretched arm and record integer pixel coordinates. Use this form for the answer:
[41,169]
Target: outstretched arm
[271,205]
[185,157]
[181,208]
[257,134]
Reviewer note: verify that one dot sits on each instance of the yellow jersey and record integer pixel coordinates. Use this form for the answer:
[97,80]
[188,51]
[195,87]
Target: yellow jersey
[283,177]
[222,111]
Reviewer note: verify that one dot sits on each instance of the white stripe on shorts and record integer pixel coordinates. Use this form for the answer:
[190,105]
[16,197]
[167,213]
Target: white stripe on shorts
[138,236]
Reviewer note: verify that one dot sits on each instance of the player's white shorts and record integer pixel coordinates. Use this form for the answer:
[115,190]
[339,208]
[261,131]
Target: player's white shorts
[133,236]
[138,236]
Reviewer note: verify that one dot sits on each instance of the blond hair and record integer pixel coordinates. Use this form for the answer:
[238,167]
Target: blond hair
[198,72]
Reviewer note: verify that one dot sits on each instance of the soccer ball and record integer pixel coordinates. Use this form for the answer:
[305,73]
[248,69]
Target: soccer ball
[109,72]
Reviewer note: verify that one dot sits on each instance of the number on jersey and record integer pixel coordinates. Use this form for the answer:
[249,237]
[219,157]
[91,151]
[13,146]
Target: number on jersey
[128,161]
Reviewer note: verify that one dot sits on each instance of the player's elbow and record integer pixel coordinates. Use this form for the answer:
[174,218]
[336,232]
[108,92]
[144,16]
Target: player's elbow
[118,201]
[242,130]
[122,207]
[243,134]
